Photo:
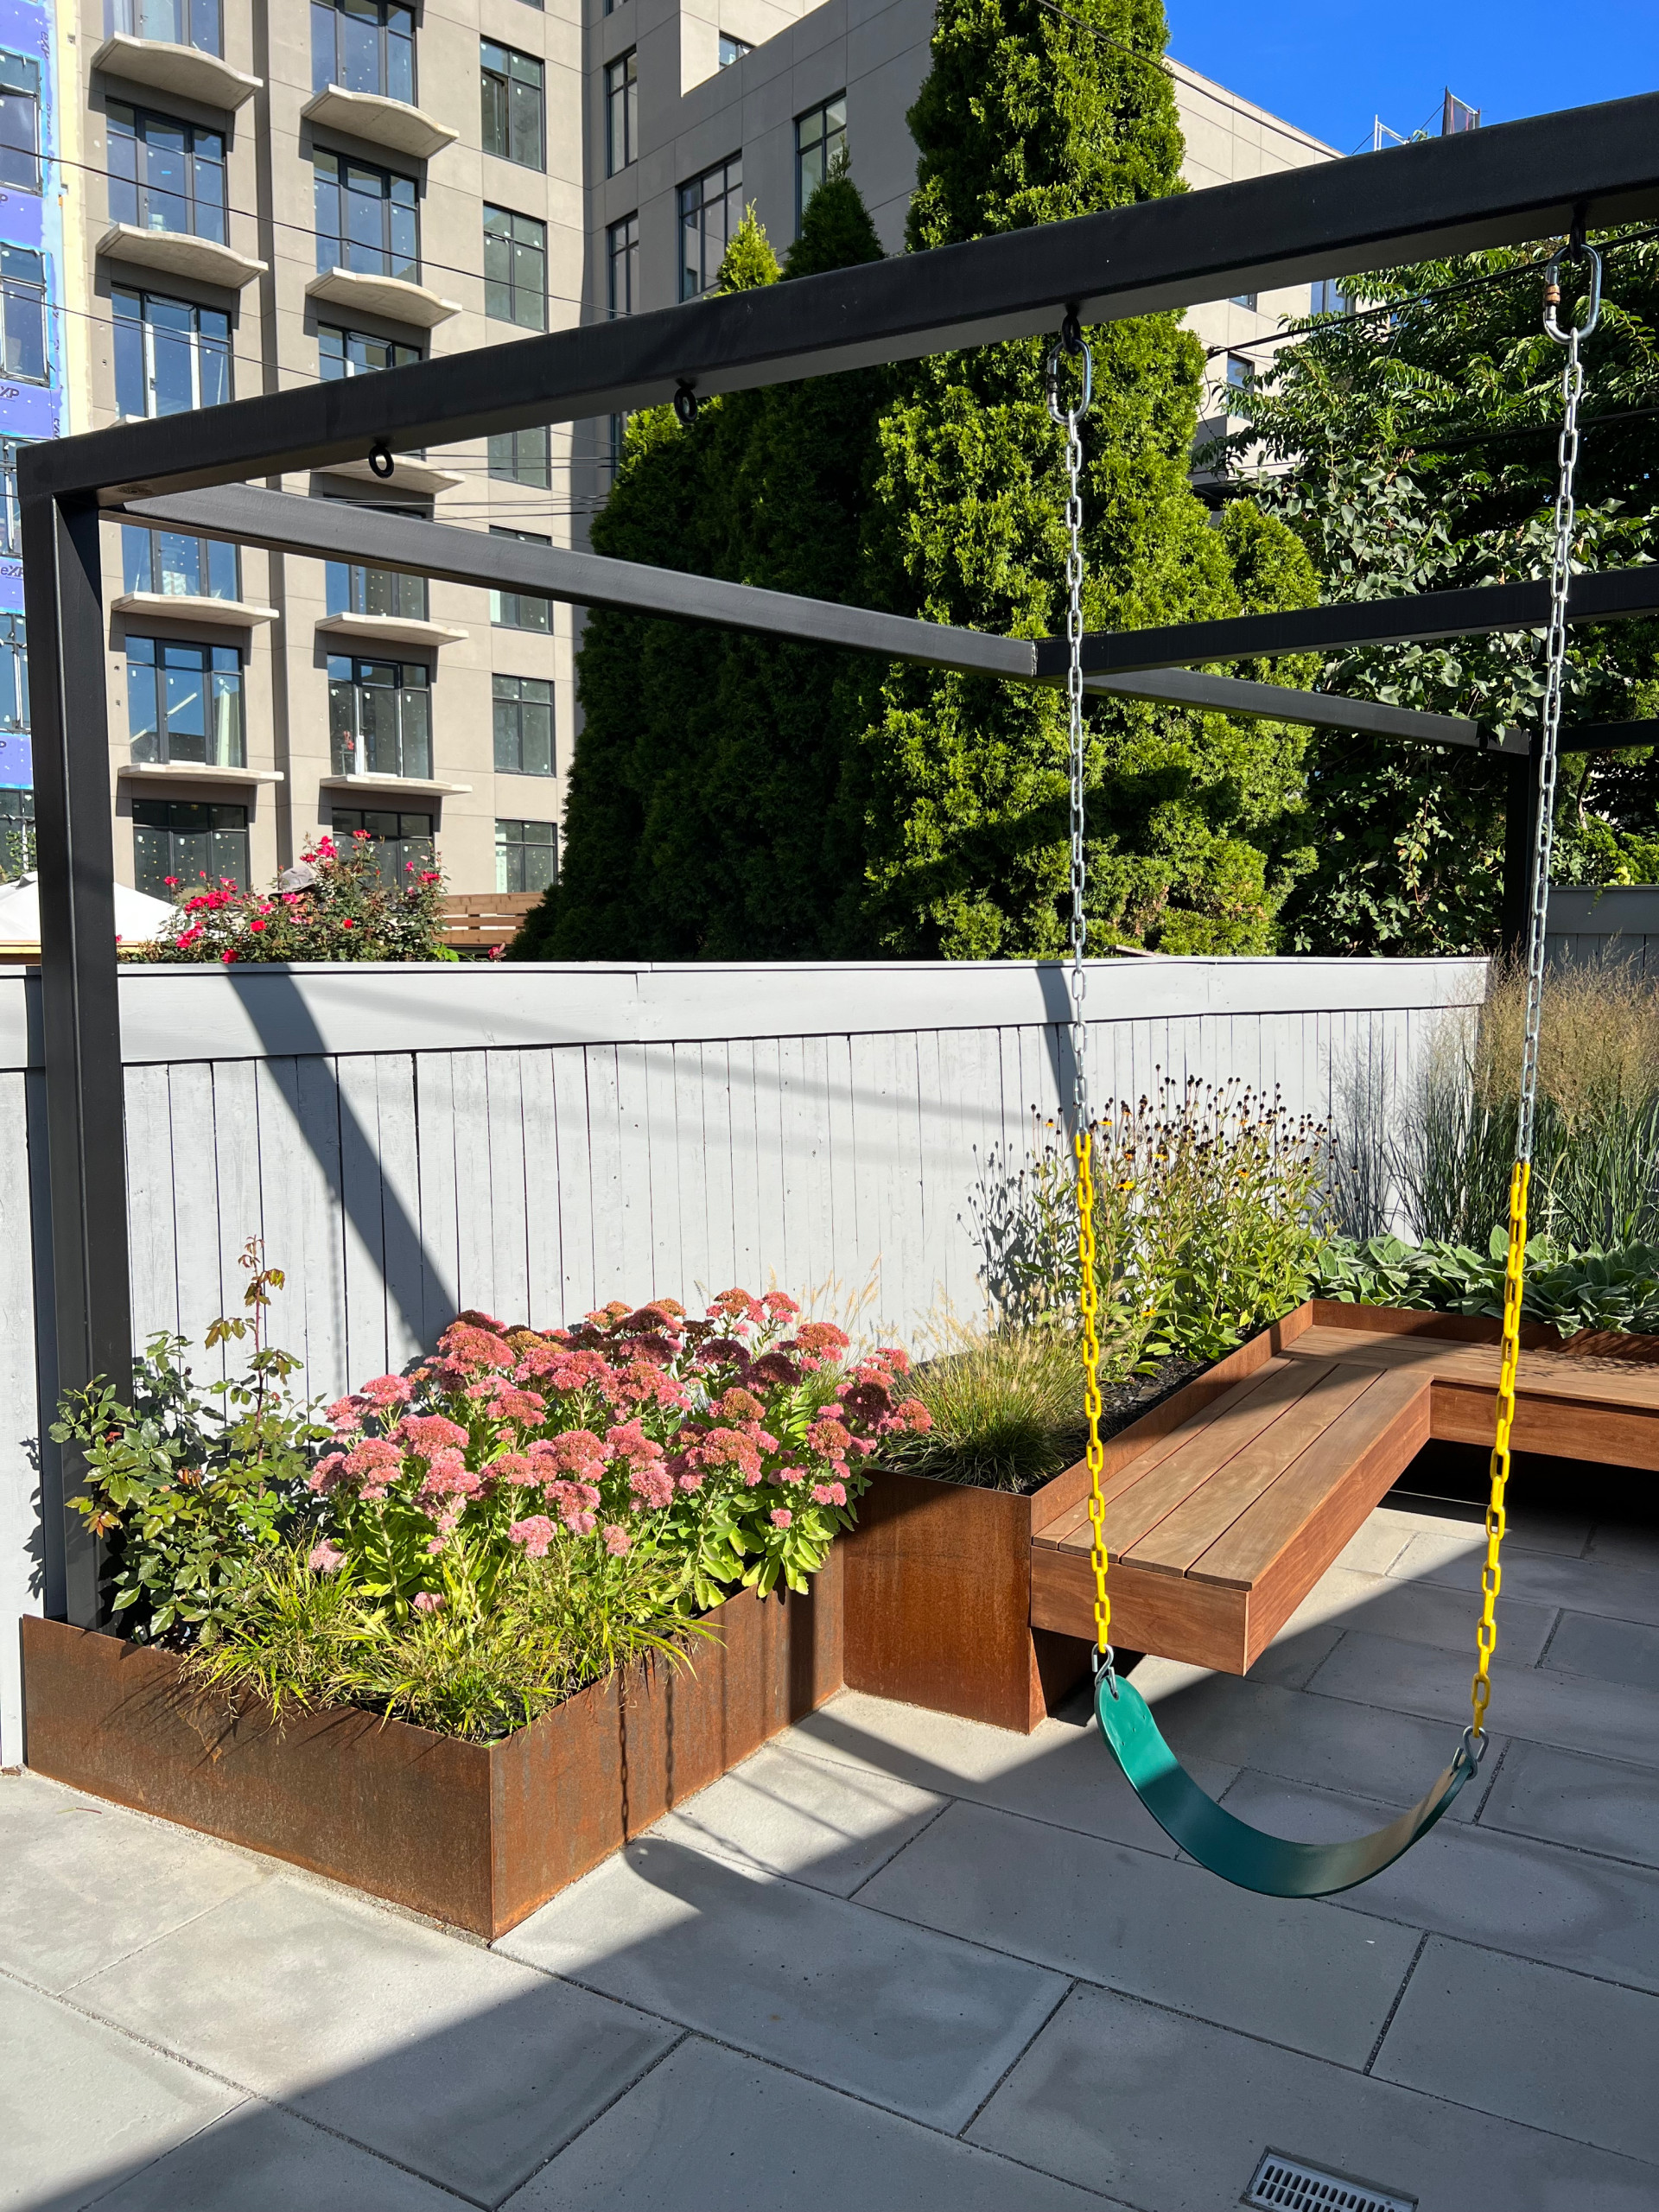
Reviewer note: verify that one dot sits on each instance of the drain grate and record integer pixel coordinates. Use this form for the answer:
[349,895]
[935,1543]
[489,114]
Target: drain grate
[1285,2184]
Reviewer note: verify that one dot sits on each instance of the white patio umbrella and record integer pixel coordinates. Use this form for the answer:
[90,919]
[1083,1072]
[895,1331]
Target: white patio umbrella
[138,916]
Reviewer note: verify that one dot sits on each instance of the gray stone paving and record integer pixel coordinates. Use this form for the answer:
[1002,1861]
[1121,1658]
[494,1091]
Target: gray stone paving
[898,1960]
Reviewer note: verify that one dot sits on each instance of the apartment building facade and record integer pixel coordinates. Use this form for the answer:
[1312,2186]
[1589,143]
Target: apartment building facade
[255,193]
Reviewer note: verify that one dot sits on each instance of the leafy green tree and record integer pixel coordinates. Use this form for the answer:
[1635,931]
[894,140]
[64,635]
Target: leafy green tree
[959,785]
[1412,445]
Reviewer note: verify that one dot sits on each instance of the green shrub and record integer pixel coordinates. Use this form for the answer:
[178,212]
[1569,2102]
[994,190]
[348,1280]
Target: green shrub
[337,905]
[1208,1214]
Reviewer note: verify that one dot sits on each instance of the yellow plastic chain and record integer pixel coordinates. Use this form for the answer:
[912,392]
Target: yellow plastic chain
[1491,1575]
[1084,1145]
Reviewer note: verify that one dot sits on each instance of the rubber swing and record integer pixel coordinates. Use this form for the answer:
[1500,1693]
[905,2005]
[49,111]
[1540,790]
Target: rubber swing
[1248,1857]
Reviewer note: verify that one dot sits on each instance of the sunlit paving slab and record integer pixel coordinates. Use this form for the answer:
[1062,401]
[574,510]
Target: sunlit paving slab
[900,1958]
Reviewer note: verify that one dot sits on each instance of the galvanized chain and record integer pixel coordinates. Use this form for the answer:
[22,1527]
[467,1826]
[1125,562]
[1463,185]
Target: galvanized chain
[1069,419]
[1560,576]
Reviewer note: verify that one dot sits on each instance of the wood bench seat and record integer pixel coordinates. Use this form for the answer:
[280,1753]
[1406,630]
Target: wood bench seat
[1218,1529]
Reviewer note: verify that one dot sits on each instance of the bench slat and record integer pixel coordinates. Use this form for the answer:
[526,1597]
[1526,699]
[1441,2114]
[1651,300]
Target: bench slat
[1302,1436]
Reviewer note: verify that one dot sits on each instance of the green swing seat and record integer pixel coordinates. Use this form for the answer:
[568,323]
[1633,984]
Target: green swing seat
[1250,1858]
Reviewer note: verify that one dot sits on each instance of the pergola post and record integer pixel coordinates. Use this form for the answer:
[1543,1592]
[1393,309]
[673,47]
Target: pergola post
[80,1022]
[1520,839]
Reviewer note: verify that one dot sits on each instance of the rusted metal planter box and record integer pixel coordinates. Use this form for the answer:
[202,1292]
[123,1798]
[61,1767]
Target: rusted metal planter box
[938,1574]
[476,1836]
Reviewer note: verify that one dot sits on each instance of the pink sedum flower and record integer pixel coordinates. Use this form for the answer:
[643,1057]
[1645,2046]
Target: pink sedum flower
[388,1391]
[618,1540]
[829,1493]
[325,1559]
[429,1601]
[535,1534]
[781,1517]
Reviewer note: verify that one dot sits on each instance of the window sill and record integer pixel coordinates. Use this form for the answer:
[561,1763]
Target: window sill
[172,68]
[180,253]
[393,298]
[422,786]
[188,607]
[193,772]
[389,629]
[380,122]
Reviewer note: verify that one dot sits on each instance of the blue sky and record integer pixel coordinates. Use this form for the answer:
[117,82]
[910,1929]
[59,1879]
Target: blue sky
[1328,65]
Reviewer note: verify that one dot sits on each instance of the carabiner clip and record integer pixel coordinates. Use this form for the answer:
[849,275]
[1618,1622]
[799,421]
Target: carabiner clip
[1553,291]
[1071,341]
[1106,1664]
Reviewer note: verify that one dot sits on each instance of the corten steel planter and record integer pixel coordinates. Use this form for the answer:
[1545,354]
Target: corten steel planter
[938,1574]
[477,1836]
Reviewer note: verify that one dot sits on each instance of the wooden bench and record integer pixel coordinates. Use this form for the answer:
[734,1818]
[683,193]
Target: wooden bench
[1219,1528]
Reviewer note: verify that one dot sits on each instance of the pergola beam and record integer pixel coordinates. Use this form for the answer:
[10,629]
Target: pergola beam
[1502,187]
[335,530]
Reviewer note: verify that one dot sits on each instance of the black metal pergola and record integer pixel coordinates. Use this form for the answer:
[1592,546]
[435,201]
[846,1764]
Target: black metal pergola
[1544,178]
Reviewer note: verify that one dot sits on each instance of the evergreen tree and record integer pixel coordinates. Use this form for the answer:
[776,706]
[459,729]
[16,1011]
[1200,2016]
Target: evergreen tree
[959,784]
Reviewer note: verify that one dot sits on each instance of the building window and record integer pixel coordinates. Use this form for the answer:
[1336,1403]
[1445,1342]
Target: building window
[515,269]
[526,855]
[13,675]
[1240,371]
[622,266]
[349,354]
[11,519]
[22,327]
[512,105]
[367,219]
[168,562]
[619,439]
[524,726]
[521,610]
[1244,300]
[176,22]
[364,46]
[403,842]
[1327,297]
[184,702]
[711,207]
[379,717]
[170,358]
[16,831]
[350,590]
[733,49]
[20,122]
[820,135]
[523,457]
[165,175]
[179,842]
[621,112]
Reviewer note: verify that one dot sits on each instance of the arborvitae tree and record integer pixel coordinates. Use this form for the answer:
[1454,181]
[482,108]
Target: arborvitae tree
[633,877]
[958,784]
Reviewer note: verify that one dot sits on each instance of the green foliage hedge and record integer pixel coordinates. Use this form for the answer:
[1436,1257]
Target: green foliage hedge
[1575,1290]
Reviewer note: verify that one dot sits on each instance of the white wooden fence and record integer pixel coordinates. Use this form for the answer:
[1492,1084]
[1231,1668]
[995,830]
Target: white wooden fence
[533,1140]
[1621,923]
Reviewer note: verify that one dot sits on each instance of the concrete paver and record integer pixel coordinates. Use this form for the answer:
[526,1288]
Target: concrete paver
[1580,1585]
[1515,1894]
[904,2017]
[1628,1544]
[707,2131]
[1588,1804]
[460,2064]
[1318,1981]
[1614,1651]
[80,2104]
[1416,1612]
[1161,2112]
[261,2159]
[1546,1707]
[1530,2043]
[85,1883]
[1061,1772]
[826,1824]
[1530,1527]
